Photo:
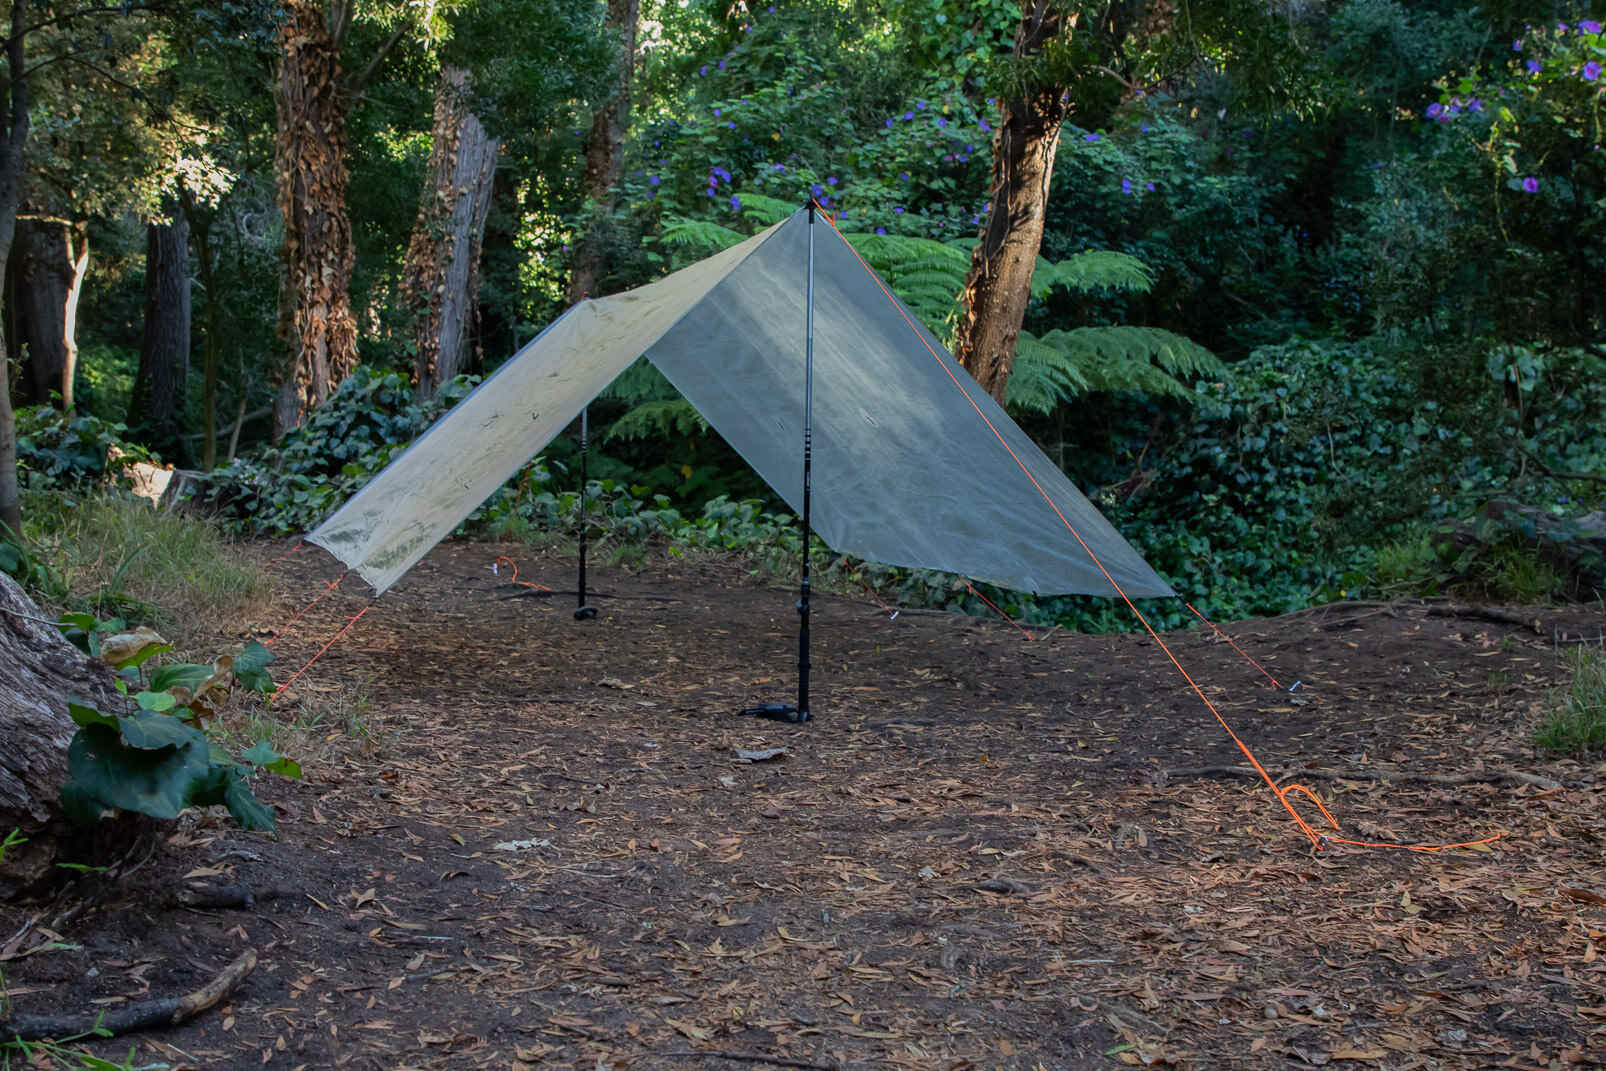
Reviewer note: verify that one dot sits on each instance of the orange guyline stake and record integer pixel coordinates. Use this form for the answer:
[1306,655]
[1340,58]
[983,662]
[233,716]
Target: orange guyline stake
[1318,840]
[513,565]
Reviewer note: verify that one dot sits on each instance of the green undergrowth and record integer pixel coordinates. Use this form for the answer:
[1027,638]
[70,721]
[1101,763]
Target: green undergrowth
[1576,723]
[111,554]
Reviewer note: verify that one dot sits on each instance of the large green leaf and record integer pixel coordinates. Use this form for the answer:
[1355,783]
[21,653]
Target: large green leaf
[189,675]
[251,668]
[155,765]
[159,781]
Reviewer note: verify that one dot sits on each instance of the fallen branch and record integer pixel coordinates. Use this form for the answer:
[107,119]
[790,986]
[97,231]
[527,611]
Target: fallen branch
[147,1013]
[1491,777]
[750,1058]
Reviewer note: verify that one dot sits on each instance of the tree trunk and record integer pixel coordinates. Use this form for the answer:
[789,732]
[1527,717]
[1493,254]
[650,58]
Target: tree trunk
[39,672]
[999,285]
[315,316]
[53,257]
[605,153]
[12,147]
[200,221]
[156,410]
[441,277]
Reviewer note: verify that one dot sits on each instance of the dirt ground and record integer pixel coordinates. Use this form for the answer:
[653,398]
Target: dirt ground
[982,852]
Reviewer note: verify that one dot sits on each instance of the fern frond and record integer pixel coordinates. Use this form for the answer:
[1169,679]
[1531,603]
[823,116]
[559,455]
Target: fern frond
[641,382]
[766,210]
[1096,269]
[699,237]
[1044,375]
[927,275]
[658,419]
[1063,364]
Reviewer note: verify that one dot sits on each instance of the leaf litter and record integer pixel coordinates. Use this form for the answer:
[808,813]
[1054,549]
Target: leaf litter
[981,853]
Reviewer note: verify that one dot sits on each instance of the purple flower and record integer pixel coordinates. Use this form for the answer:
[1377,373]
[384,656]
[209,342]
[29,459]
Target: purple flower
[736,203]
[717,111]
[1530,185]
[1150,187]
[830,182]
[781,168]
[1589,26]
[1126,186]
[1591,71]
[1435,110]
[1534,66]
[1516,46]
[1090,137]
[817,190]
[722,65]
[710,191]
[703,71]
[908,115]
[653,181]
[730,126]
[898,209]
[881,230]
[920,104]
[1144,129]
[889,122]
[941,121]
[903,176]
[983,124]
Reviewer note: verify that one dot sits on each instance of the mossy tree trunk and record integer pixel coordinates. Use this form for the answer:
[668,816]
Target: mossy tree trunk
[315,317]
[442,271]
[605,155]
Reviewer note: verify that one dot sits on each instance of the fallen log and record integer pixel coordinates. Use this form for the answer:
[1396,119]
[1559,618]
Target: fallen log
[169,1011]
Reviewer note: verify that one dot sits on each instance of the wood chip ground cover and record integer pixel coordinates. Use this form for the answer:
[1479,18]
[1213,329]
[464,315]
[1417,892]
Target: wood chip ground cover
[984,852]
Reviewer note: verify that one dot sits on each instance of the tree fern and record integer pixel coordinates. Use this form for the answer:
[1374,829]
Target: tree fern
[927,275]
[1096,269]
[698,238]
[1062,364]
[658,420]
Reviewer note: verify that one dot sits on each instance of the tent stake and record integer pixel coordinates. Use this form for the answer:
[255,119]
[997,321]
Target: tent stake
[782,711]
[582,611]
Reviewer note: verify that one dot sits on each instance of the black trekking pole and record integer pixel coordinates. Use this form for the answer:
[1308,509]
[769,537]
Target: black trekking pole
[783,711]
[582,611]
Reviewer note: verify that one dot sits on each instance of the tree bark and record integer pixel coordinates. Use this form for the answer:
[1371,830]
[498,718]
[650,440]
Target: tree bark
[53,257]
[315,317]
[999,284]
[39,672]
[156,410]
[441,277]
[605,153]
[12,148]
[200,221]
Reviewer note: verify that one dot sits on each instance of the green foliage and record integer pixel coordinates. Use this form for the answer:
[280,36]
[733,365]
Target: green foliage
[1575,726]
[291,487]
[1063,364]
[113,554]
[149,760]
[71,452]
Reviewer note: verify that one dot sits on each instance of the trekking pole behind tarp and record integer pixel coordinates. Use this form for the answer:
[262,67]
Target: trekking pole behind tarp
[783,711]
[583,612]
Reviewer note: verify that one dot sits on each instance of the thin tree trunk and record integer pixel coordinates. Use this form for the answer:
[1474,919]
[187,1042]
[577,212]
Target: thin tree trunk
[12,147]
[605,153]
[441,277]
[315,316]
[201,230]
[53,259]
[156,409]
[998,287]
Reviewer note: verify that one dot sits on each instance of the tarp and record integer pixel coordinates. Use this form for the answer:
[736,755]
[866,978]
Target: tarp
[913,463]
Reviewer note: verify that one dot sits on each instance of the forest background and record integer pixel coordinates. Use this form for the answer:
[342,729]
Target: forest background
[1316,309]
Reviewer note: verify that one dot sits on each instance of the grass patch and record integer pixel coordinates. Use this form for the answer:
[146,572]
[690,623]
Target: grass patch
[1576,724]
[117,556]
